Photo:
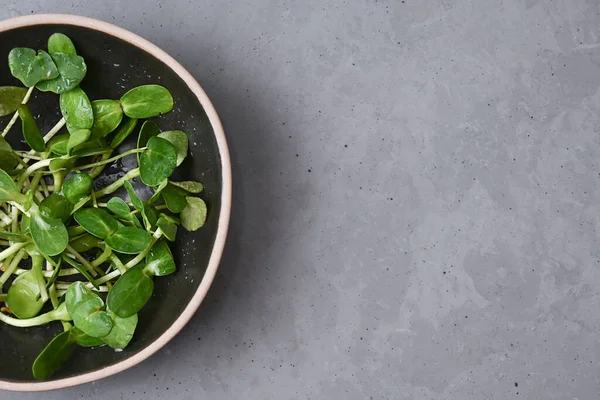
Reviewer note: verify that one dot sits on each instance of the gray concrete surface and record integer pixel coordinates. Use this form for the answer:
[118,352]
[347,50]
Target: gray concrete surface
[417,199]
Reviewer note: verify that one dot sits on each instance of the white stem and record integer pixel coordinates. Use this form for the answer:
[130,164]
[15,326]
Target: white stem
[11,250]
[16,115]
[47,138]
[65,285]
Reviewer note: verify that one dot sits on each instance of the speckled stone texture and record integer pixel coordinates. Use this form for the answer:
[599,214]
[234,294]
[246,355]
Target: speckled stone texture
[417,199]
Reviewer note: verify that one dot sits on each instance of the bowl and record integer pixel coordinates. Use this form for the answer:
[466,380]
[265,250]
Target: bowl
[118,60]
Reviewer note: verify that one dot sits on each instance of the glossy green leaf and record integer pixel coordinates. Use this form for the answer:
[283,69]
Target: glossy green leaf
[30,67]
[77,187]
[125,129]
[13,237]
[156,196]
[71,69]
[118,207]
[84,340]
[158,162]
[49,234]
[62,163]
[76,109]
[174,199]
[179,140]
[148,130]
[189,186]
[8,187]
[97,221]
[193,216]
[53,356]
[137,202]
[130,293]
[79,267]
[159,261]
[23,296]
[168,228]
[58,144]
[8,158]
[56,206]
[150,216]
[87,310]
[129,240]
[11,98]
[60,43]
[107,117]
[147,101]
[122,331]
[31,132]
[78,137]
[85,243]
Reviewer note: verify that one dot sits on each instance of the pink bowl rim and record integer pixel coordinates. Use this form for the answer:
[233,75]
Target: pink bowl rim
[223,224]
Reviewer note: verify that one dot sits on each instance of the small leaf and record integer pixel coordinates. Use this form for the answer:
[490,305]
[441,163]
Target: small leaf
[8,187]
[107,117]
[174,198]
[122,331]
[168,228]
[159,261]
[77,187]
[11,98]
[58,144]
[158,161]
[60,43]
[135,200]
[125,129]
[30,67]
[53,356]
[179,140]
[118,207]
[8,158]
[129,240]
[31,132]
[189,186]
[78,137]
[148,130]
[49,235]
[150,216]
[130,293]
[23,296]
[72,70]
[97,221]
[147,101]
[77,110]
[193,216]
[86,309]
[79,337]
[56,206]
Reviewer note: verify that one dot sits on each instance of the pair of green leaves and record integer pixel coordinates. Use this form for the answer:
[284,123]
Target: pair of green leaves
[178,200]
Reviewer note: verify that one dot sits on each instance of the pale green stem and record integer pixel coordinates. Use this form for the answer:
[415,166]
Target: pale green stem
[135,261]
[83,261]
[134,173]
[11,268]
[44,188]
[5,218]
[47,137]
[65,286]
[16,115]
[30,170]
[108,277]
[36,267]
[118,263]
[11,250]
[59,314]
[48,273]
[106,254]
[109,160]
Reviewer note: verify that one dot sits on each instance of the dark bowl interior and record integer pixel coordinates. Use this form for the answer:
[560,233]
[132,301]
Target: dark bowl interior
[115,66]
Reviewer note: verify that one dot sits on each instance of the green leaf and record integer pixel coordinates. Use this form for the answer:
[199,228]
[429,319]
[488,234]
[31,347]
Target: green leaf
[179,140]
[8,158]
[77,187]
[91,150]
[11,98]
[49,234]
[158,161]
[53,356]
[78,137]
[193,216]
[107,117]
[82,270]
[31,132]
[118,207]
[13,237]
[85,243]
[130,293]
[87,310]
[159,261]
[148,130]
[23,296]
[72,70]
[137,203]
[30,67]
[122,331]
[97,221]
[150,216]
[168,228]
[8,188]
[125,129]
[58,144]
[79,337]
[129,240]
[156,196]
[60,43]
[147,101]
[56,206]
[77,110]
[174,198]
[61,163]
[189,186]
